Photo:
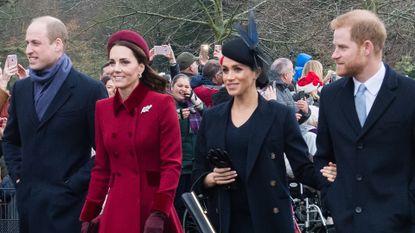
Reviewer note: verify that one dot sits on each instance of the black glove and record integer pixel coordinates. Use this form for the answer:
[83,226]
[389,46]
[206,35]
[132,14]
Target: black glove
[219,158]
[155,223]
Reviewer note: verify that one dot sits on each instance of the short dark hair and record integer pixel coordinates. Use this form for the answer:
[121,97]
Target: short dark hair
[211,68]
[179,76]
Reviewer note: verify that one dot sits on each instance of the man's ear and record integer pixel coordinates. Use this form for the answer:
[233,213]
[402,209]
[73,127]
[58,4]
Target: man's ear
[59,45]
[195,67]
[367,47]
[284,77]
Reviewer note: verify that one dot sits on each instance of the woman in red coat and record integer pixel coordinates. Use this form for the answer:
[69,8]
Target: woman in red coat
[138,150]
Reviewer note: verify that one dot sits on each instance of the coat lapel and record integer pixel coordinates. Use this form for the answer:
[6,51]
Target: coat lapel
[61,97]
[347,106]
[262,123]
[219,141]
[221,123]
[383,100]
[29,98]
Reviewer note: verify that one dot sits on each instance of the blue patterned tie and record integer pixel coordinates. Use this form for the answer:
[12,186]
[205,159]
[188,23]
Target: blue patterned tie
[360,103]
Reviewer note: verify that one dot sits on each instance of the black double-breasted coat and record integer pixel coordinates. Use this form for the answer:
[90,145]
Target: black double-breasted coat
[276,132]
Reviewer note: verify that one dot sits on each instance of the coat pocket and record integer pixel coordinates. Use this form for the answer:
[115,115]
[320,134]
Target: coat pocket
[64,200]
[153,178]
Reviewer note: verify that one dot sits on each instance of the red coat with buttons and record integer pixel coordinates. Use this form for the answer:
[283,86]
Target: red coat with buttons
[138,161]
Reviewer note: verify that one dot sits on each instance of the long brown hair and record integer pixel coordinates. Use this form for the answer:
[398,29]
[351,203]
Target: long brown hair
[149,77]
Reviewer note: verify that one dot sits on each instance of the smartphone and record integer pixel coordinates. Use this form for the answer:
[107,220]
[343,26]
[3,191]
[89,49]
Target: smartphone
[204,51]
[218,47]
[301,95]
[12,60]
[218,50]
[161,50]
[204,48]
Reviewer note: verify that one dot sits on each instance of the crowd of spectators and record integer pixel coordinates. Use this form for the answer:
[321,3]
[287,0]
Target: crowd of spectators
[159,132]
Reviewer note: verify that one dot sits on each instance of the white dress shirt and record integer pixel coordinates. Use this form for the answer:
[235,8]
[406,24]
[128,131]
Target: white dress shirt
[373,85]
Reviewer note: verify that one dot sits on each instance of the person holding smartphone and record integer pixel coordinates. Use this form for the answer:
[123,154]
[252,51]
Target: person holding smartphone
[189,111]
[281,74]
[12,67]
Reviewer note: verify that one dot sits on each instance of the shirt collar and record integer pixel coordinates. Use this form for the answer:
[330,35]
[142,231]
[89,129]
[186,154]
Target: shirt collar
[374,83]
[132,102]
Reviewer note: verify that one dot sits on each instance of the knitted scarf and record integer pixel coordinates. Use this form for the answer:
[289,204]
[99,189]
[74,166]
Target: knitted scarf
[47,83]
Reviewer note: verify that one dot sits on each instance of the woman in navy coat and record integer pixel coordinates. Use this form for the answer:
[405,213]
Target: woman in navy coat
[253,195]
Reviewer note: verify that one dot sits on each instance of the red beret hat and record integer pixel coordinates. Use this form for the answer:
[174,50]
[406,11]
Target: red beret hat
[130,36]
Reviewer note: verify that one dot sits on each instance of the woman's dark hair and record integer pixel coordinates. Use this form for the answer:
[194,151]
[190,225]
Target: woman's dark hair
[149,77]
[105,79]
[211,68]
[177,76]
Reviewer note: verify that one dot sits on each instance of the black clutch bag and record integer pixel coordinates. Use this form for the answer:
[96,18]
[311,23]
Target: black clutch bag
[197,212]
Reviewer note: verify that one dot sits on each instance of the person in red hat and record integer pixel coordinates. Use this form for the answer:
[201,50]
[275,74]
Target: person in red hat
[310,84]
[138,150]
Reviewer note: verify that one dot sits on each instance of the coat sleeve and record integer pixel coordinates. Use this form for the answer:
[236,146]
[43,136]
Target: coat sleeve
[98,186]
[325,153]
[170,156]
[297,151]
[11,140]
[200,164]
[79,180]
[174,70]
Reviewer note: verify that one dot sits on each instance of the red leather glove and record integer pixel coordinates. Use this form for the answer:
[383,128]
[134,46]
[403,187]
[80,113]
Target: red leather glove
[155,223]
[92,226]
[84,227]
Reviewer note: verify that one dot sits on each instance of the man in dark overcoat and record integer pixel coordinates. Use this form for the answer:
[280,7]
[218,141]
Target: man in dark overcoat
[367,127]
[50,132]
